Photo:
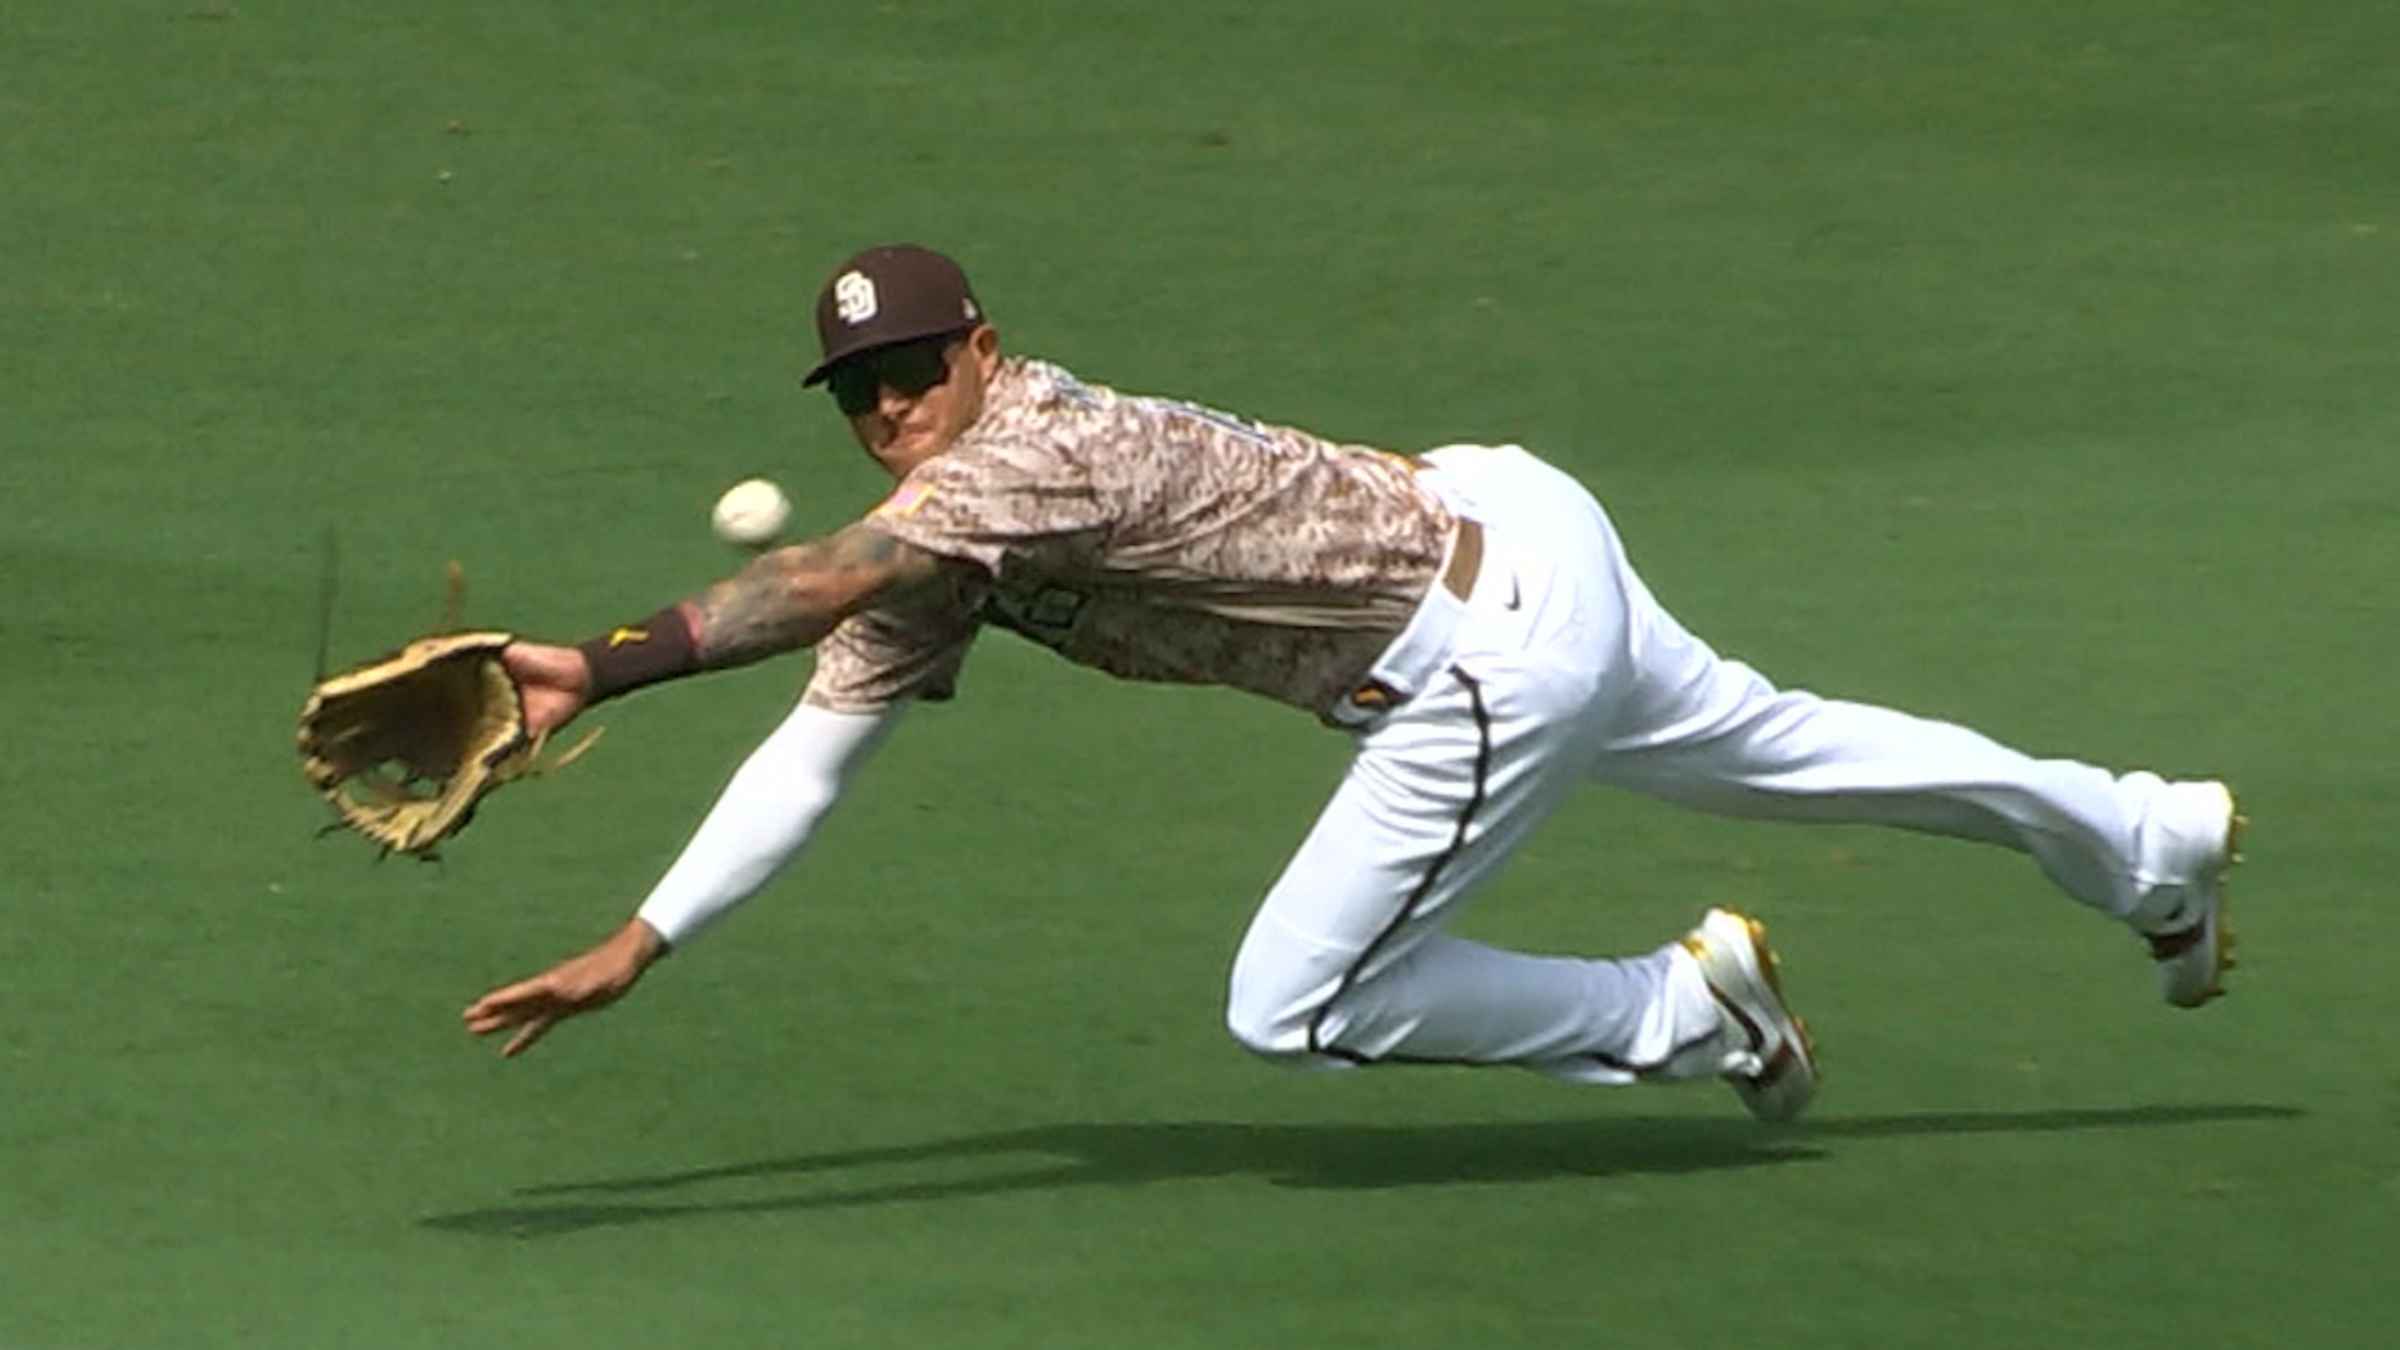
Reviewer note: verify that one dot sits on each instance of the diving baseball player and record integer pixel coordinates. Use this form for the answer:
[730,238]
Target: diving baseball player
[1469,618]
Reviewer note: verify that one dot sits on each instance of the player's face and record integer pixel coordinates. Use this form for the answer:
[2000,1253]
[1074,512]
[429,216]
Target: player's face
[907,402]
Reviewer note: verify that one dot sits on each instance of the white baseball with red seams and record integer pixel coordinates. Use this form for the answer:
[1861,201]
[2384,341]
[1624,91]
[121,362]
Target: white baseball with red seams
[751,513]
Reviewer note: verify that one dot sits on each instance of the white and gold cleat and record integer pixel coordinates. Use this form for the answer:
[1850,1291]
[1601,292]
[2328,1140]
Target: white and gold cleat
[2193,836]
[1775,1073]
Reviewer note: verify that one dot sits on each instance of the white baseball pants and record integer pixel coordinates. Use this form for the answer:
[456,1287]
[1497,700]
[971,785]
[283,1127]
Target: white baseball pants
[1561,670]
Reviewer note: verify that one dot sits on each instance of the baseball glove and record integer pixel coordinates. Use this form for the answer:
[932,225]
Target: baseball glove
[405,746]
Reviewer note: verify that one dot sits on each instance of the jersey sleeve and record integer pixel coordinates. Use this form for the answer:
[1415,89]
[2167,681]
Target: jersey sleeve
[986,498]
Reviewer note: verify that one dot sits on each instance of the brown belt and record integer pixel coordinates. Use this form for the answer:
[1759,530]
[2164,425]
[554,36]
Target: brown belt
[1466,560]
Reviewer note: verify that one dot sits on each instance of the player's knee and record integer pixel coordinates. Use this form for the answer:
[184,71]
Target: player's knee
[1282,998]
[1273,1030]
[1260,1032]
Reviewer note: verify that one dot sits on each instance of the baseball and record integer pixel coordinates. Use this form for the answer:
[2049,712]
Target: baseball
[751,513]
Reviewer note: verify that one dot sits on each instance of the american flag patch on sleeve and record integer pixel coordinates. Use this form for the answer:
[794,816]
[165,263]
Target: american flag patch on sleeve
[905,502]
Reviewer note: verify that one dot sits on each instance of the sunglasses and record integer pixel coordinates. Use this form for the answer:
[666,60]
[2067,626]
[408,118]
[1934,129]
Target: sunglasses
[909,368]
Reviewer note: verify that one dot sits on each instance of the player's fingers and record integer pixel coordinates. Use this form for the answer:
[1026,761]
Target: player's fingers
[505,1007]
[534,1030]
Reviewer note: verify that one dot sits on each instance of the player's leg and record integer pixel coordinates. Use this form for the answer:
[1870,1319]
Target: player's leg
[1707,732]
[1345,961]
[1677,721]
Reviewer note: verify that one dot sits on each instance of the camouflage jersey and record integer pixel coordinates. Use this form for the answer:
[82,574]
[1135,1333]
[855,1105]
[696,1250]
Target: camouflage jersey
[1152,539]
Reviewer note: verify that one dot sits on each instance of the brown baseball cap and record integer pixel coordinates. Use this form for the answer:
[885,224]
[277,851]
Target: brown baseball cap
[890,293]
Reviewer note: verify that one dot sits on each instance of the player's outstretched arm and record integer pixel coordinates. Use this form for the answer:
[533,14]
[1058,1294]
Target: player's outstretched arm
[792,597]
[783,600]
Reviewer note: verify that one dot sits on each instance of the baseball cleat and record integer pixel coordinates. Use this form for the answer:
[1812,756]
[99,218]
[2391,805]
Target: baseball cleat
[1776,1074]
[2192,838]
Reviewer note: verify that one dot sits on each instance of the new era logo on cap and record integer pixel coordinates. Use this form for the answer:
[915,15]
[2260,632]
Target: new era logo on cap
[890,294]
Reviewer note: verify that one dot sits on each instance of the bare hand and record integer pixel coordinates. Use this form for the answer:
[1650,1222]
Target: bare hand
[579,984]
[553,681]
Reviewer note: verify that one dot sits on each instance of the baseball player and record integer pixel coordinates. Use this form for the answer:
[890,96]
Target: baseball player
[1468,617]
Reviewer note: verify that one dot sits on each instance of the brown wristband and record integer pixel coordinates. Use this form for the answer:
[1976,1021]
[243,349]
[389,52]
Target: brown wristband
[626,658]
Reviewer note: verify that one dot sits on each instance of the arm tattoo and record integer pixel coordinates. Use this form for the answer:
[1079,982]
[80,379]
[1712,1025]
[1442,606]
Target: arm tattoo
[792,597]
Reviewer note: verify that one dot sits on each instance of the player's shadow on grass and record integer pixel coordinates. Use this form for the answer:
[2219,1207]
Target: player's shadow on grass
[1334,1156]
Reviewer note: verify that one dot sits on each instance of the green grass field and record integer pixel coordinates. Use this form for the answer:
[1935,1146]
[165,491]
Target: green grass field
[2031,365]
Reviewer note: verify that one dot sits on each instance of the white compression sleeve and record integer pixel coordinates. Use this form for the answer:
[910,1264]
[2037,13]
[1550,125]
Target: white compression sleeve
[763,817]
